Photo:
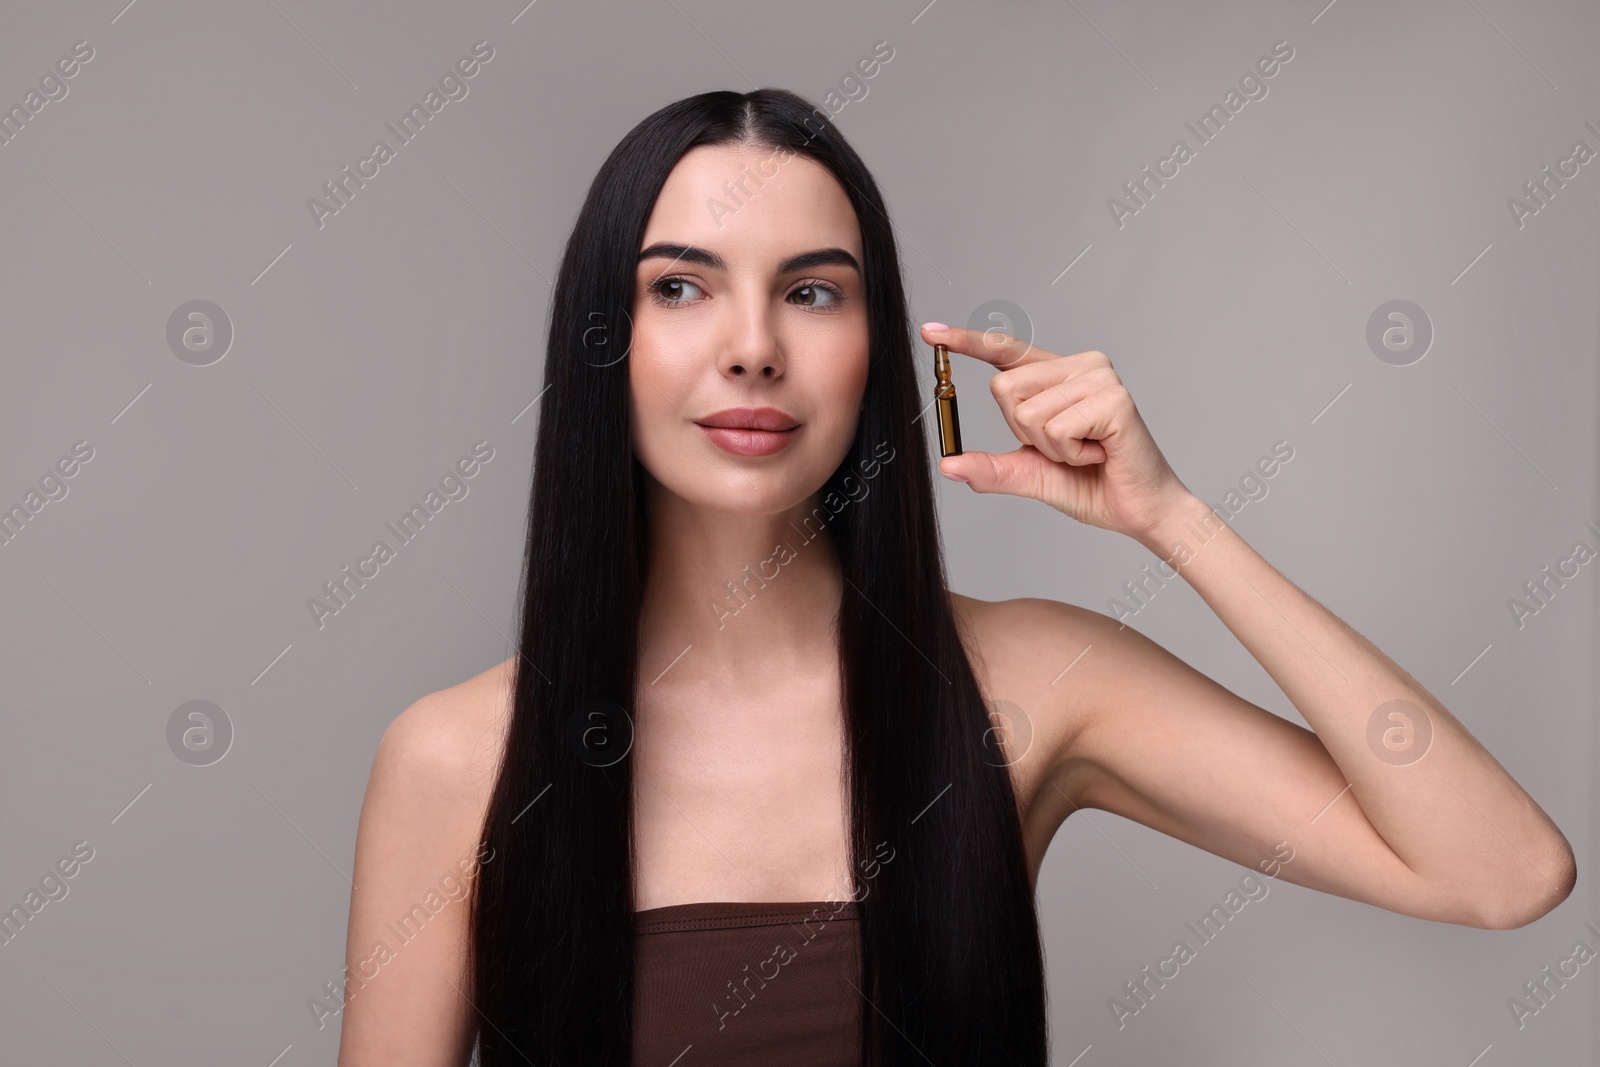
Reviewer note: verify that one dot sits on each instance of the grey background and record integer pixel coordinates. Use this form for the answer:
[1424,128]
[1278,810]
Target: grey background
[369,355]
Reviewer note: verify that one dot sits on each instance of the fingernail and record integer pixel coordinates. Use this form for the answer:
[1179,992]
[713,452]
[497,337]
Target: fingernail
[936,327]
[953,477]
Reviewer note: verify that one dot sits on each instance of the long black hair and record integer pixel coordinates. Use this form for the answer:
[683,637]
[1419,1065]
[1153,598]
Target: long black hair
[952,967]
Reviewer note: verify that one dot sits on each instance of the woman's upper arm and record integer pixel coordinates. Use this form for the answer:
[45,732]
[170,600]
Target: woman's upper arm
[1163,744]
[407,978]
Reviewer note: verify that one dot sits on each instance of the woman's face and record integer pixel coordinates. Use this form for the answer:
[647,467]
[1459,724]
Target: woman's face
[748,295]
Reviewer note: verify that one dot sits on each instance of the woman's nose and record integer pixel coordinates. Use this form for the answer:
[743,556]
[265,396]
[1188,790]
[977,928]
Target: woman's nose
[753,348]
[766,367]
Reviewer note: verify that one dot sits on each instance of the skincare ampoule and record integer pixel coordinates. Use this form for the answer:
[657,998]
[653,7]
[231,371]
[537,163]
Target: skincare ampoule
[944,392]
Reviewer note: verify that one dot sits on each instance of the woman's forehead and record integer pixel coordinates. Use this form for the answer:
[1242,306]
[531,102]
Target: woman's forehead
[752,205]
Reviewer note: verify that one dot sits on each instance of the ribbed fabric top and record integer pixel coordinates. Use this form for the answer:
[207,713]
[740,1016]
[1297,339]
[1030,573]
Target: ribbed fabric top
[719,982]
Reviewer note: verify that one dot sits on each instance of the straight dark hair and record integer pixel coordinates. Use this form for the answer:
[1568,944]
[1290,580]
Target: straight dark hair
[952,967]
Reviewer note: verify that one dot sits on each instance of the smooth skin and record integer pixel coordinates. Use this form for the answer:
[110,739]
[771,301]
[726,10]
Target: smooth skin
[738,729]
[1448,836]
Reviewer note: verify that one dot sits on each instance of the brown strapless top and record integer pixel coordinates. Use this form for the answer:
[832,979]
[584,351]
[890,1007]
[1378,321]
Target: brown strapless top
[772,983]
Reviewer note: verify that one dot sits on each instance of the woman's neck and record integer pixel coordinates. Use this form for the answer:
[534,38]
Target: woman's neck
[743,593]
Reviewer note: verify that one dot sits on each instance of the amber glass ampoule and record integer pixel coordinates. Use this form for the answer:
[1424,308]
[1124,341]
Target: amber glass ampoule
[944,392]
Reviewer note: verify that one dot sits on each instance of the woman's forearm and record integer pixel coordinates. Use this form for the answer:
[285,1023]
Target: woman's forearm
[1445,806]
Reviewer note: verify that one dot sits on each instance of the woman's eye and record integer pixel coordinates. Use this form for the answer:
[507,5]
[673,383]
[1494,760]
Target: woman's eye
[675,291]
[818,295]
[671,290]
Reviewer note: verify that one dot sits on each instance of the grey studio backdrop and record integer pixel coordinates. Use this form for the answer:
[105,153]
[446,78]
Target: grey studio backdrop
[246,390]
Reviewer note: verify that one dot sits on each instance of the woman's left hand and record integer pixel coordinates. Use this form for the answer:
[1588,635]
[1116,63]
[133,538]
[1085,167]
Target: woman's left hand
[1085,450]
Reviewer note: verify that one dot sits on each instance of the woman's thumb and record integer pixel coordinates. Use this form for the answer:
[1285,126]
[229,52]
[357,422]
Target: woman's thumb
[986,472]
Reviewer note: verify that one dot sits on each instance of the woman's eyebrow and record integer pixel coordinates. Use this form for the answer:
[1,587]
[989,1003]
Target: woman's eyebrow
[822,257]
[804,261]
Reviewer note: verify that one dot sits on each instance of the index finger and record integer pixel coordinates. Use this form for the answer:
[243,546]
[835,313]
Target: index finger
[992,346]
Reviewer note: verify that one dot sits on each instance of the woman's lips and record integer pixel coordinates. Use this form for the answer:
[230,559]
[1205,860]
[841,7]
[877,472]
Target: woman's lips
[749,442]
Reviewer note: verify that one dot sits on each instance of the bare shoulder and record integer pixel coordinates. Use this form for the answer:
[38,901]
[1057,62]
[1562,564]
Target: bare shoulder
[1027,626]
[417,850]
[1045,674]
[1030,645]
[449,742]
[1044,658]
[1072,664]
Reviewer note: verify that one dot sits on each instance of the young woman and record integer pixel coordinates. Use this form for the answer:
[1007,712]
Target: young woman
[741,791]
